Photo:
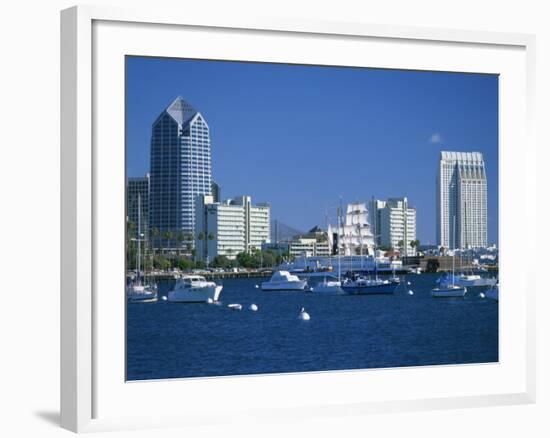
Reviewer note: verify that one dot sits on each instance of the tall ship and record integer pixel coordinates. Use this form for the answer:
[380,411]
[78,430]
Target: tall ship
[352,241]
[353,234]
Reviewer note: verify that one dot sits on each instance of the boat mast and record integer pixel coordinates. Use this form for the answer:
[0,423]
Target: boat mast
[138,262]
[328,240]
[454,249]
[339,254]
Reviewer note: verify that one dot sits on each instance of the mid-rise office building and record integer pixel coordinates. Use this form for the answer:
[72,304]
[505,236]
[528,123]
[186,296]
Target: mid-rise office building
[310,247]
[461,204]
[230,227]
[181,170]
[137,203]
[314,243]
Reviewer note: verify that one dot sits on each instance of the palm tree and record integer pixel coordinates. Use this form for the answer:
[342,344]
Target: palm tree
[168,236]
[415,244]
[401,245]
[229,252]
[154,236]
[181,236]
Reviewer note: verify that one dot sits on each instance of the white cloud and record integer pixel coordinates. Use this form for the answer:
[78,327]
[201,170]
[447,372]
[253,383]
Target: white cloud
[436,138]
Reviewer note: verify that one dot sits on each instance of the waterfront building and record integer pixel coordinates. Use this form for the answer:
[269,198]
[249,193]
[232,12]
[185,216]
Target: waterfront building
[314,243]
[309,247]
[397,225]
[375,209]
[230,227]
[181,170]
[353,234]
[138,188]
[461,204]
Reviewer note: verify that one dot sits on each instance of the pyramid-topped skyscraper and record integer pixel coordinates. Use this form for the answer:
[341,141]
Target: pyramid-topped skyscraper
[181,169]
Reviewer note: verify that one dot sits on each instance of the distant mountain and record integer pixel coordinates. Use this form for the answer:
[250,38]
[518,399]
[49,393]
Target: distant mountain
[281,231]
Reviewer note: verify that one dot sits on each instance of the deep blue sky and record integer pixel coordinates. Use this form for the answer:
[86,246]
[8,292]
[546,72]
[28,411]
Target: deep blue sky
[301,137]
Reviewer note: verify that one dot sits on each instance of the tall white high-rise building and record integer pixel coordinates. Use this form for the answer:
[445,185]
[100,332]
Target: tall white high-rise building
[375,210]
[461,204]
[395,222]
[230,227]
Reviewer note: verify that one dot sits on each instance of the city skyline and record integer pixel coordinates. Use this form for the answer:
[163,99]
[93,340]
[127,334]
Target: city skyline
[275,137]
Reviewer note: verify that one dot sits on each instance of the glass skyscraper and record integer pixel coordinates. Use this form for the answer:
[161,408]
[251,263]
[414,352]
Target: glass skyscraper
[461,200]
[181,170]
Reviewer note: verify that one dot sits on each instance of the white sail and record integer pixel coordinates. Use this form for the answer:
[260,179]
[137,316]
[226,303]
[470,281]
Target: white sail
[355,235]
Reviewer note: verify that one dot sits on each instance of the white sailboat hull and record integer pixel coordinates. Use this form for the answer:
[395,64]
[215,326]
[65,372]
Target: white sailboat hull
[449,292]
[329,287]
[141,294]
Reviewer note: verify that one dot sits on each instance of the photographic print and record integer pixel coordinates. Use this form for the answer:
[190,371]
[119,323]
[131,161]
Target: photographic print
[285,218]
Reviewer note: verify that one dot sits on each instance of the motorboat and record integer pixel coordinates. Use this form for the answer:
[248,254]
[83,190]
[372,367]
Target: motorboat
[360,285]
[467,280]
[284,280]
[474,280]
[194,289]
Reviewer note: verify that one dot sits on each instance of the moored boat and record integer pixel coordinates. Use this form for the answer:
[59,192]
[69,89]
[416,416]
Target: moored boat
[449,291]
[194,289]
[359,285]
[474,280]
[333,286]
[446,285]
[284,280]
[139,291]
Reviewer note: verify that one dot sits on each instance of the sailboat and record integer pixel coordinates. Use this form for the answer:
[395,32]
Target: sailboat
[332,286]
[361,285]
[470,279]
[137,291]
[446,285]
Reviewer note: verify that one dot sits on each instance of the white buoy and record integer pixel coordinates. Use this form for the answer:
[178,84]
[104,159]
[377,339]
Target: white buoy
[408,283]
[164,298]
[209,300]
[481,295]
[256,286]
[411,292]
[253,307]
[235,306]
[304,316]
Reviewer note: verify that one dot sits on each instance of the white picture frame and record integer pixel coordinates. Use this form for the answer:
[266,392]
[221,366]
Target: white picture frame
[86,403]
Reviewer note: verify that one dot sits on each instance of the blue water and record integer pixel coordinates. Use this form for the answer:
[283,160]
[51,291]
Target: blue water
[168,340]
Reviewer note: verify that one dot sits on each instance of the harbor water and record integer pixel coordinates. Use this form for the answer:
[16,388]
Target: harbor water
[169,340]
